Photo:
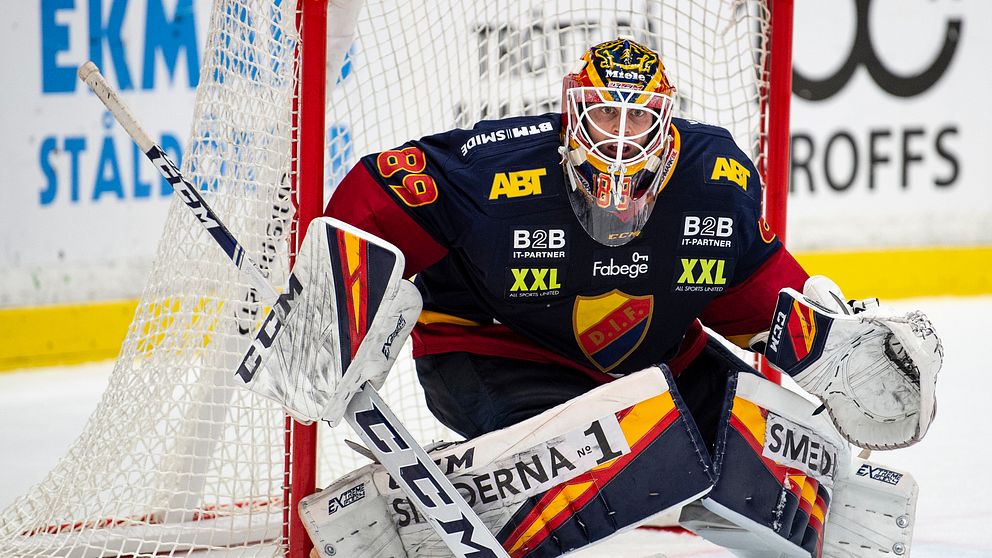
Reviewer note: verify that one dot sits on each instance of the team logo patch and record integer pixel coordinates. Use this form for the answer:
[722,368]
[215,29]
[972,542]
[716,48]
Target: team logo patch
[610,326]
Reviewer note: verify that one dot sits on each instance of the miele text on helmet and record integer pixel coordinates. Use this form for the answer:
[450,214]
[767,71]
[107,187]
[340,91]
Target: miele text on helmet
[624,74]
[505,134]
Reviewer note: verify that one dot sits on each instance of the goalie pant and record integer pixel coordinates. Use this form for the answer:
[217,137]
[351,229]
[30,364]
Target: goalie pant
[608,460]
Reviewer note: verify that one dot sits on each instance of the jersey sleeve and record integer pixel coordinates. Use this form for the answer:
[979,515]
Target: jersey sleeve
[764,268]
[360,200]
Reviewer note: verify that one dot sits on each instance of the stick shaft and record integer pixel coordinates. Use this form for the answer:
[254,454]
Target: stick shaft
[392,444]
[188,193]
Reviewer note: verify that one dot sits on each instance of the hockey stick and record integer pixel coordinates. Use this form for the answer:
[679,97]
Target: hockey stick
[391,443]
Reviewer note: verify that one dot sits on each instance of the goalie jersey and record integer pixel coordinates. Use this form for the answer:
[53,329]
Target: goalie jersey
[483,218]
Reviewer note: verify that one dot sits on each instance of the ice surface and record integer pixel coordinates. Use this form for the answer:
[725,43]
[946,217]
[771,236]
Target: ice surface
[42,411]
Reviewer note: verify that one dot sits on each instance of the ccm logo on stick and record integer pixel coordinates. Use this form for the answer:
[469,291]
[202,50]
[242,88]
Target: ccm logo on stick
[419,480]
[269,330]
[183,188]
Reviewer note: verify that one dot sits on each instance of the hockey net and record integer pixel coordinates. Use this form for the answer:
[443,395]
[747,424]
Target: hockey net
[177,458]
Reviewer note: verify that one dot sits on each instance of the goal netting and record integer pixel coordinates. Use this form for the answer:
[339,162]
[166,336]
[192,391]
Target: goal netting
[177,457]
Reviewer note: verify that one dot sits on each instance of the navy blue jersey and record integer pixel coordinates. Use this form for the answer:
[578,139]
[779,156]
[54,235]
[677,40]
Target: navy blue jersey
[508,249]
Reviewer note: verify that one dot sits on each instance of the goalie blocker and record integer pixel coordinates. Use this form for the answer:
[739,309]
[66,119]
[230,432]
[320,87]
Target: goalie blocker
[341,323]
[614,457]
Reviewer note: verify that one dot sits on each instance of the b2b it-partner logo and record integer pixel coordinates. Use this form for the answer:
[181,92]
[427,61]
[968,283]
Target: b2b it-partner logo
[710,230]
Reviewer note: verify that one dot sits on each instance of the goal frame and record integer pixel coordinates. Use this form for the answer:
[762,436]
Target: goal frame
[308,145]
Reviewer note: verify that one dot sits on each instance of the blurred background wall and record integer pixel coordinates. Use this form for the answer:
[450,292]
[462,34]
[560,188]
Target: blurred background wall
[889,195]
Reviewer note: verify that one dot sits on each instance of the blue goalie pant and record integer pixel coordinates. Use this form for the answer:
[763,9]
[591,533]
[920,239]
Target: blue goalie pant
[475,394]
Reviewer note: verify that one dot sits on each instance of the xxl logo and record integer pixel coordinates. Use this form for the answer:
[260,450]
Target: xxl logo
[609,327]
[863,54]
[710,231]
[517,184]
[726,170]
[702,275]
[538,243]
[533,282]
[792,445]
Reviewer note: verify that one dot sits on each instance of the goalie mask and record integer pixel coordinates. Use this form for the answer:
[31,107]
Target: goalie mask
[617,108]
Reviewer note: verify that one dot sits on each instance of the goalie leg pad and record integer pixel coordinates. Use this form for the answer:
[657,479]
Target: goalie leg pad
[349,518]
[873,513]
[578,473]
[776,463]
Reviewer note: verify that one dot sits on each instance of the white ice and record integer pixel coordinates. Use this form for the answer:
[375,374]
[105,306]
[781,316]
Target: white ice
[42,412]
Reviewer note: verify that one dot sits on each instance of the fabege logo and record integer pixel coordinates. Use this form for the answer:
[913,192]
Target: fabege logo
[793,445]
[863,54]
[517,184]
[346,498]
[707,231]
[726,169]
[637,266]
[538,243]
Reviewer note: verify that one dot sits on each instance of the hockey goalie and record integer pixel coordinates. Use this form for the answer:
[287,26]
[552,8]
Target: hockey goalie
[567,264]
